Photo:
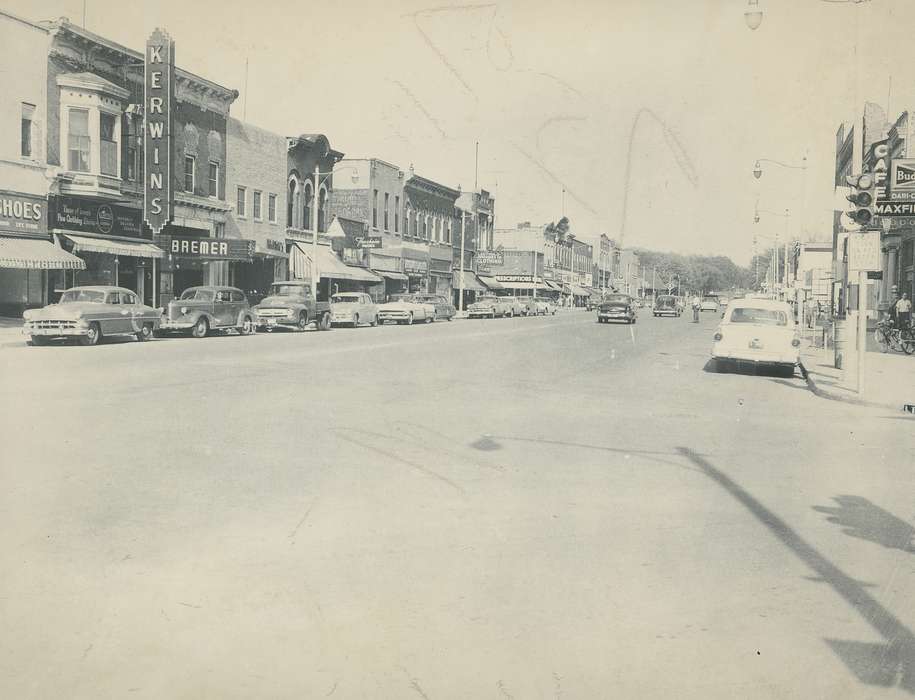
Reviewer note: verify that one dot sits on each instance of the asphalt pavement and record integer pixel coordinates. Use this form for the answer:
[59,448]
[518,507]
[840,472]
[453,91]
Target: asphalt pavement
[509,508]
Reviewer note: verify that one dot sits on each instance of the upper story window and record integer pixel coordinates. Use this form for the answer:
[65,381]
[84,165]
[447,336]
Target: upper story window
[387,199]
[213,180]
[28,116]
[131,161]
[108,143]
[240,198]
[396,214]
[307,207]
[375,209]
[257,205]
[78,142]
[190,166]
[271,208]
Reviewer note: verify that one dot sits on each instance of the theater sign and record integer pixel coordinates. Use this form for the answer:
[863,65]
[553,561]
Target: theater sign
[157,135]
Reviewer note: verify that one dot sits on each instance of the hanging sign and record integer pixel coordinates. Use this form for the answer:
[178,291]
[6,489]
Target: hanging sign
[157,136]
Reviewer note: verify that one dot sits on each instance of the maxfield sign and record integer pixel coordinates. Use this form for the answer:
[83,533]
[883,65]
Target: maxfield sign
[157,136]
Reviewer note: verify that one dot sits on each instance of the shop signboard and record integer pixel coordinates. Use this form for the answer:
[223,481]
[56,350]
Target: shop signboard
[276,246]
[415,267]
[368,242]
[157,136]
[205,248]
[100,218]
[515,278]
[490,258]
[23,214]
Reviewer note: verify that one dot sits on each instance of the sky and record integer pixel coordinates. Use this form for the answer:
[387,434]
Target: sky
[641,119]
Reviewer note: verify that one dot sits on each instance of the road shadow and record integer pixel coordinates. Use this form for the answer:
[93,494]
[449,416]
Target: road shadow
[714,366]
[890,664]
[860,518]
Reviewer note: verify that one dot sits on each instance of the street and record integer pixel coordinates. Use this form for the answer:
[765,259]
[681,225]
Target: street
[518,508]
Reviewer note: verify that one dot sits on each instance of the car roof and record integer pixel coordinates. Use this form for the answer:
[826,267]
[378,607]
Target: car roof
[759,304]
[101,288]
[215,287]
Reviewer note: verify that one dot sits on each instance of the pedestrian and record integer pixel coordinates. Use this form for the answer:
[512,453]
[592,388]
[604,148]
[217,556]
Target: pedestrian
[695,303]
[903,311]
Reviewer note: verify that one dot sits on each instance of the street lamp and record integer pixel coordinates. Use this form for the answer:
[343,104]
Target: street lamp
[757,167]
[753,15]
[314,225]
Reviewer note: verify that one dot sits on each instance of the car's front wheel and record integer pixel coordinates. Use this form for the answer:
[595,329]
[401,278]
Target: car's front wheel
[374,322]
[302,322]
[324,322]
[145,333]
[355,320]
[201,328]
[247,326]
[92,335]
[410,319]
[38,340]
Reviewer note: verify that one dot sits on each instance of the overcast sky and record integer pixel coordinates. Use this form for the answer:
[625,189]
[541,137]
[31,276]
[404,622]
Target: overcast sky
[558,94]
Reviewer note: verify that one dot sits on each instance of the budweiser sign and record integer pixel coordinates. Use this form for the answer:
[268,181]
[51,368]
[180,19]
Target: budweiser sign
[157,134]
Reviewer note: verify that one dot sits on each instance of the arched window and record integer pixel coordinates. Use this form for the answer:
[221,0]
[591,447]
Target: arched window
[291,203]
[306,206]
[322,209]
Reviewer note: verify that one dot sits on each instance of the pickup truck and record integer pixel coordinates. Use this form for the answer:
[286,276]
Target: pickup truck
[291,305]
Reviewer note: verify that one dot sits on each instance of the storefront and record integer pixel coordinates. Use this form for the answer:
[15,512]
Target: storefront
[471,285]
[389,268]
[440,278]
[31,266]
[522,285]
[110,240]
[268,265]
[417,272]
[195,258]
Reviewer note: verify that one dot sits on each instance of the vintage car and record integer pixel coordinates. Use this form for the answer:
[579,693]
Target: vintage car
[89,314]
[551,305]
[516,306]
[757,332]
[202,309]
[665,305]
[353,308]
[444,309]
[489,307]
[406,309]
[535,306]
[291,305]
[616,307]
[708,303]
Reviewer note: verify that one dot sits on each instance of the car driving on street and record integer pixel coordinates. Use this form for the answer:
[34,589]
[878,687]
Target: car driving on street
[616,307]
[89,314]
[665,305]
[708,303]
[757,332]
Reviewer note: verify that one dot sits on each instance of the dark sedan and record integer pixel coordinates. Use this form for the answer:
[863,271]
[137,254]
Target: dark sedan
[616,307]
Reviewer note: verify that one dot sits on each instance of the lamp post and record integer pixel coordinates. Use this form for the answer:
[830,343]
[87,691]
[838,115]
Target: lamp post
[465,204]
[314,225]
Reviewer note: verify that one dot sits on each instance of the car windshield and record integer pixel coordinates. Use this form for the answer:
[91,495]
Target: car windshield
[488,300]
[665,301]
[402,297]
[616,299]
[345,298]
[198,294]
[287,290]
[73,295]
[764,317]
[713,300]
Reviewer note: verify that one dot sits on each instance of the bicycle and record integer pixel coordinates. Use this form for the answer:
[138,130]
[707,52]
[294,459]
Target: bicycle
[889,337]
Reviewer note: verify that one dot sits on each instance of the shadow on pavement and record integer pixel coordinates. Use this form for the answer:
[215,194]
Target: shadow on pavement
[746,368]
[888,664]
[860,518]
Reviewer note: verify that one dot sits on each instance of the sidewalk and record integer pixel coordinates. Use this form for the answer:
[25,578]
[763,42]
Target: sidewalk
[889,380]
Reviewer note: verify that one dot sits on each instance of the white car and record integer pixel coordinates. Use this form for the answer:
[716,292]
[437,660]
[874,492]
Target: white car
[757,332]
[407,309]
[353,308]
[708,304]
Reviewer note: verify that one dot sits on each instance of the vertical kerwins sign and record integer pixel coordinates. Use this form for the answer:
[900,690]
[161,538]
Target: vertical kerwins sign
[158,97]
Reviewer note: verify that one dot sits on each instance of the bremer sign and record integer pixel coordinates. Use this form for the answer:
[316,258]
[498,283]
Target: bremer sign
[160,90]
[205,248]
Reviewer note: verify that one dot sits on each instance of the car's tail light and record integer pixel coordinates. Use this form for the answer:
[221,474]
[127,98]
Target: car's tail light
[796,343]
[718,336]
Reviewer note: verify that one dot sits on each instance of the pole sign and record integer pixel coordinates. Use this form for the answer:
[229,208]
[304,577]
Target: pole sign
[902,180]
[864,251]
[157,136]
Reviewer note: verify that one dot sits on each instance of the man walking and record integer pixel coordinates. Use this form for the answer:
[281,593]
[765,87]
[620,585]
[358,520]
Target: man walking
[903,311]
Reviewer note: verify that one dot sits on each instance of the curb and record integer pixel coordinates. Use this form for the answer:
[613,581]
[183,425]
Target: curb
[831,396]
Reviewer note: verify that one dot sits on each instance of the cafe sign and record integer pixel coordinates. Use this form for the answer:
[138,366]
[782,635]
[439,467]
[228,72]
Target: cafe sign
[23,213]
[157,135]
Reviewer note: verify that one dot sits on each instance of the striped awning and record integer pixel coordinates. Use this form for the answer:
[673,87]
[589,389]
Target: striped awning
[331,267]
[470,282]
[128,249]
[34,254]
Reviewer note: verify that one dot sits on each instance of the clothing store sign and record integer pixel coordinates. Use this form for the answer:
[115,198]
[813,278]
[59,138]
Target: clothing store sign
[157,136]
[87,216]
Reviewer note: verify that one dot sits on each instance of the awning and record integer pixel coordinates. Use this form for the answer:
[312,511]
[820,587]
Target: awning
[580,291]
[471,283]
[491,282]
[34,254]
[399,276]
[440,273]
[553,285]
[129,249]
[331,267]
[523,285]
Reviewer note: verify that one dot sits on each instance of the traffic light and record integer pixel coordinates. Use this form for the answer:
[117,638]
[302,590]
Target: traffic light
[863,197]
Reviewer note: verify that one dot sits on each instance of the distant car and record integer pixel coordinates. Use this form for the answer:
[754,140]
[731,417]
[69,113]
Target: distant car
[353,308]
[535,306]
[516,306]
[291,305]
[616,307]
[489,307]
[444,309]
[758,332]
[708,304]
[406,309]
[89,314]
[200,310]
[665,305]
[551,305]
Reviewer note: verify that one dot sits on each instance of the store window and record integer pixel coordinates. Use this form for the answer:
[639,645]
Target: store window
[78,140]
[213,180]
[109,144]
[257,205]
[190,165]
[28,115]
[241,195]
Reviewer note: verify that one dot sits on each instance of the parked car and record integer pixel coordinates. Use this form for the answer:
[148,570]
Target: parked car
[516,306]
[708,303]
[489,307]
[535,306]
[291,305]
[353,308]
[444,309]
[551,305]
[200,310]
[406,309]
[666,305]
[758,332]
[89,314]
[616,307]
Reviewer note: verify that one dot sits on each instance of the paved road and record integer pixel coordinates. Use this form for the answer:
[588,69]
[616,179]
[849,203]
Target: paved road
[524,508]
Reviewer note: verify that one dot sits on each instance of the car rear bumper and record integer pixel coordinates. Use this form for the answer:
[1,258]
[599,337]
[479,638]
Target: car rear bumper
[758,358]
[610,316]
